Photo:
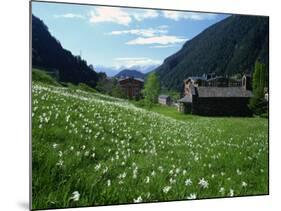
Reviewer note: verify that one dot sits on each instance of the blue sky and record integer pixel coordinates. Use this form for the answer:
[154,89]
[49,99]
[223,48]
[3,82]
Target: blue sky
[119,38]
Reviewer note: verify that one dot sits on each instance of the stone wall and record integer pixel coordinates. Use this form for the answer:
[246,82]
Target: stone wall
[216,106]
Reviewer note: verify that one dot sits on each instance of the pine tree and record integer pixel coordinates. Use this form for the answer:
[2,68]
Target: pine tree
[257,103]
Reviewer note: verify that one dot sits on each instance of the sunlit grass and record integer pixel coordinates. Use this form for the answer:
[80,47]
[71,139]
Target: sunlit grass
[92,149]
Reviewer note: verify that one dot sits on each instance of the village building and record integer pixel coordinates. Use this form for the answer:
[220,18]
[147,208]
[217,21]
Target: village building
[220,99]
[165,100]
[214,80]
[132,86]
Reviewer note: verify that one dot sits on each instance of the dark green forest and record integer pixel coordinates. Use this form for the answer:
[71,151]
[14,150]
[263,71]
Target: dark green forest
[228,47]
[48,54]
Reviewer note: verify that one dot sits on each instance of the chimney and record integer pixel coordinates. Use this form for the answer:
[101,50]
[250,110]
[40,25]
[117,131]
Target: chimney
[247,82]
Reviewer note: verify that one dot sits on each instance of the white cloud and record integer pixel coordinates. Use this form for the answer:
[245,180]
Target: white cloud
[160,40]
[139,16]
[176,15]
[120,15]
[163,46]
[70,15]
[140,62]
[163,27]
[149,32]
[110,14]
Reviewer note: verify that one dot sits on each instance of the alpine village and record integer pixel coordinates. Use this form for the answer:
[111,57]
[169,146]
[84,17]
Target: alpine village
[193,127]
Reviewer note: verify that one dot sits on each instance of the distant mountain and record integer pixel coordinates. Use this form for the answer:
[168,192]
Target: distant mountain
[228,47]
[110,71]
[143,68]
[130,73]
[48,54]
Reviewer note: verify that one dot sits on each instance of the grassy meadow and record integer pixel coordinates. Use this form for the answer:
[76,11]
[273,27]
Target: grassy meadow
[93,149]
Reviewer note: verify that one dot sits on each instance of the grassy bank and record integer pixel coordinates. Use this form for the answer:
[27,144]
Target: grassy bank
[93,149]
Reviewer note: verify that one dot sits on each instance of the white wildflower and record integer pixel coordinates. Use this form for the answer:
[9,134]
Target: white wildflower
[192,196]
[75,196]
[135,171]
[231,192]
[59,163]
[122,176]
[105,170]
[167,189]
[238,172]
[172,181]
[87,153]
[188,182]
[244,184]
[138,200]
[97,167]
[203,183]
[222,190]
[147,180]
[148,195]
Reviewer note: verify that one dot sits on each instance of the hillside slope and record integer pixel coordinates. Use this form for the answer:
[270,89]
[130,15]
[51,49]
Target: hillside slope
[228,47]
[47,53]
[98,146]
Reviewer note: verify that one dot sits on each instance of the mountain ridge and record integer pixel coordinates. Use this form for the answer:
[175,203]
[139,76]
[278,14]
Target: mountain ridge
[48,53]
[130,73]
[228,47]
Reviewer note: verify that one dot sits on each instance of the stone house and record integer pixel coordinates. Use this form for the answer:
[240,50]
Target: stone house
[217,100]
[165,100]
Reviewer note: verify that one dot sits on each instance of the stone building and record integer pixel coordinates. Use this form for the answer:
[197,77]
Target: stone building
[132,86]
[165,100]
[219,100]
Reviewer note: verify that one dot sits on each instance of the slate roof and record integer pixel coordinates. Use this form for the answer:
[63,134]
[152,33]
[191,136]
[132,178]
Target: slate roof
[132,78]
[223,92]
[164,96]
[186,99]
[217,78]
[194,78]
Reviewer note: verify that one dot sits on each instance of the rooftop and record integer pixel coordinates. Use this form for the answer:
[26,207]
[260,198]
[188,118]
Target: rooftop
[164,96]
[223,92]
[186,99]
[137,79]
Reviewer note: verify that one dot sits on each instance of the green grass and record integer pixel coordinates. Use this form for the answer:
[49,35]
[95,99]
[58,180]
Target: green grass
[82,140]
[172,112]
[42,76]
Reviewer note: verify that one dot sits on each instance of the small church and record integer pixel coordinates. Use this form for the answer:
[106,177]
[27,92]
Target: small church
[216,96]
